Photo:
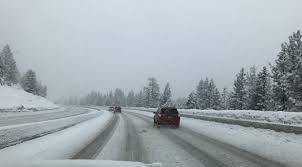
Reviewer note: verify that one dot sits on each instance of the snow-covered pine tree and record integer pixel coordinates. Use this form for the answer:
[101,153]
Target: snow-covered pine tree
[200,94]
[11,72]
[100,99]
[2,70]
[279,72]
[154,92]
[29,82]
[191,102]
[224,98]
[213,96]
[42,90]
[287,75]
[206,95]
[119,98]
[109,99]
[251,78]
[139,99]
[294,74]
[146,97]
[166,96]
[263,94]
[239,94]
[131,99]
[180,102]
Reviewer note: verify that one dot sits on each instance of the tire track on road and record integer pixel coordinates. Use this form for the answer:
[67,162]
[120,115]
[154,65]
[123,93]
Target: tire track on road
[96,146]
[135,151]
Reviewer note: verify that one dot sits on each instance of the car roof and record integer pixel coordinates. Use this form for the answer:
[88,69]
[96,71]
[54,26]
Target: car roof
[168,108]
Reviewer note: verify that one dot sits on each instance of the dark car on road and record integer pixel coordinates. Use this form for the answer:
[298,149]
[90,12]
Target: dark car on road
[117,109]
[167,116]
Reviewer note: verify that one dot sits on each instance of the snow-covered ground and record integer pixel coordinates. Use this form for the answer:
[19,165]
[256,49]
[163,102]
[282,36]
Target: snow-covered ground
[12,98]
[18,133]
[282,117]
[280,147]
[60,145]
[8,115]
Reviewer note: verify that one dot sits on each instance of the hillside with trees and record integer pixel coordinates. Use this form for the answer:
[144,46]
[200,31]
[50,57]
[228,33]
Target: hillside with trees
[10,75]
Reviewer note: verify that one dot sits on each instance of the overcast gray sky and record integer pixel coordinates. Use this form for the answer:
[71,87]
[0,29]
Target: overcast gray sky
[81,45]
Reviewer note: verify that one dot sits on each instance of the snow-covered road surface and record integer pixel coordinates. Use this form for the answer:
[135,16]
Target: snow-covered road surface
[134,138]
[263,144]
[40,125]
[131,136]
[7,119]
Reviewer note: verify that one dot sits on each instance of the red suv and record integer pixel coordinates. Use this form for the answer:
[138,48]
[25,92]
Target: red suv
[166,116]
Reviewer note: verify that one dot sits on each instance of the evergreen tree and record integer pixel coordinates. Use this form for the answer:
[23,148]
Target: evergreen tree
[213,96]
[139,99]
[146,97]
[119,98]
[200,95]
[263,91]
[154,92]
[239,94]
[287,75]
[109,99]
[41,90]
[180,102]
[191,102]
[131,99]
[207,95]
[29,82]
[251,78]
[11,72]
[224,99]
[166,96]
[2,70]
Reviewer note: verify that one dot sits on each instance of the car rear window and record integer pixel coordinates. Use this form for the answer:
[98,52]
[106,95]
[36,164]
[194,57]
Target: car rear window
[169,111]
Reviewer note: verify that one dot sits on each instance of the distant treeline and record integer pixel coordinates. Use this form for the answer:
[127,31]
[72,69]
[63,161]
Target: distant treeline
[277,87]
[10,75]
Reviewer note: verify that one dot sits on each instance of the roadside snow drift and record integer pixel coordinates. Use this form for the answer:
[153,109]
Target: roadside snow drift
[60,145]
[282,117]
[13,98]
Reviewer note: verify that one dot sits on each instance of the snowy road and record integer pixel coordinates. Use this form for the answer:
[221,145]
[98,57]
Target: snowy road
[19,129]
[132,137]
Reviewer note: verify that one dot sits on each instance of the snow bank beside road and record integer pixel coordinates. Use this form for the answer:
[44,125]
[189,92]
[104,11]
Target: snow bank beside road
[281,117]
[61,145]
[12,98]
